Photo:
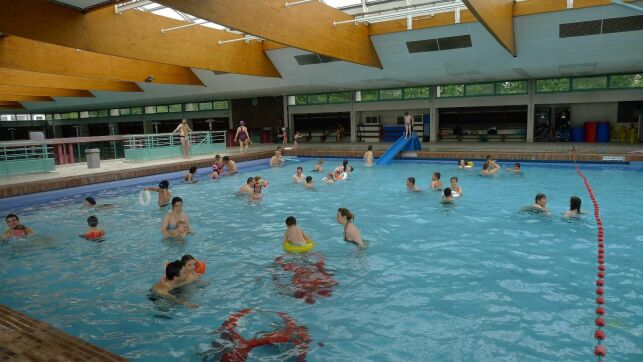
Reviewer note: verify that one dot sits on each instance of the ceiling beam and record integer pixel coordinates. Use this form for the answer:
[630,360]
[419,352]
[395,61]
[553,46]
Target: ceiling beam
[306,26]
[41,91]
[15,98]
[11,105]
[497,17]
[133,34]
[34,79]
[26,54]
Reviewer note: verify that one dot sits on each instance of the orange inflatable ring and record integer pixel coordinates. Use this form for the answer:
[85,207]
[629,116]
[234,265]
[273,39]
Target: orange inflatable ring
[199,267]
[94,235]
[291,334]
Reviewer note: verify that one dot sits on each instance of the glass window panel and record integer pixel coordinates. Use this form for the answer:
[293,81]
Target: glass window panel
[84,114]
[301,99]
[339,97]
[93,114]
[205,106]
[515,87]
[161,109]
[416,92]
[370,95]
[626,81]
[150,110]
[589,83]
[483,89]
[451,90]
[103,113]
[220,104]
[552,85]
[64,116]
[391,94]
[175,108]
[191,107]
[49,117]
[38,117]
[136,110]
[318,98]
[23,117]
[124,111]
[73,115]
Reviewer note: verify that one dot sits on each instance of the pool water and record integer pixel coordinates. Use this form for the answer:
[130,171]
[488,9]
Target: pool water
[474,281]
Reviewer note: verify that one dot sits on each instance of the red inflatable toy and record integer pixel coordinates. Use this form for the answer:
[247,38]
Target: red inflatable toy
[199,267]
[308,280]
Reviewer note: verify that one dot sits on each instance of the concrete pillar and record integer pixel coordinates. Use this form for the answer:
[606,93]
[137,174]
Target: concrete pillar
[434,125]
[530,110]
[353,126]
[113,128]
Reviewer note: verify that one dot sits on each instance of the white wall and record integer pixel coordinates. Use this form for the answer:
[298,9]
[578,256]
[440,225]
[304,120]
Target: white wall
[591,112]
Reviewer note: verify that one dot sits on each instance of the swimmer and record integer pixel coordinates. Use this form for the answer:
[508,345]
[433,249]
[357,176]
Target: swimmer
[318,166]
[216,173]
[514,170]
[261,181]
[461,164]
[351,233]
[230,165]
[368,157]
[277,160]
[164,192]
[189,262]
[90,202]
[344,167]
[171,219]
[218,163]
[255,195]
[455,188]
[436,184]
[189,177]
[180,232]
[175,276]
[299,177]
[447,197]
[329,179]
[574,207]
[247,188]
[540,203]
[16,229]
[410,185]
[294,234]
[309,182]
[94,232]
[489,169]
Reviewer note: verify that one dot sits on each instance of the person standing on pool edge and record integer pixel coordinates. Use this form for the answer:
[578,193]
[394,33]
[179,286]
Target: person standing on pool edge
[184,135]
[164,192]
[351,233]
[243,136]
[408,124]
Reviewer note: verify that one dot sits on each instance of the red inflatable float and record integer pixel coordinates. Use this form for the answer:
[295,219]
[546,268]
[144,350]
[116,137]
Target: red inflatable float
[290,333]
[309,279]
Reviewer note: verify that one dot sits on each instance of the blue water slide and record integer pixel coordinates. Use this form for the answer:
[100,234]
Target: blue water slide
[389,155]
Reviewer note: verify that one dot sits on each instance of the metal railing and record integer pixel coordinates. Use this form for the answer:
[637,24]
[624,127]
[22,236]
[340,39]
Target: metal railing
[17,158]
[168,145]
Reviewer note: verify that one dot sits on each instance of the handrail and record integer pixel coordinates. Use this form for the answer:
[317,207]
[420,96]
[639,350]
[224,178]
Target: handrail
[171,139]
[26,152]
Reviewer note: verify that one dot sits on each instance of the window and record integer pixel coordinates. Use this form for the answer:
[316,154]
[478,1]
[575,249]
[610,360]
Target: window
[23,117]
[515,87]
[451,90]
[626,81]
[416,92]
[552,85]
[124,111]
[301,99]
[191,107]
[64,116]
[588,83]
[391,94]
[339,97]
[318,98]
[372,120]
[49,117]
[482,89]
[220,104]
[38,117]
[92,114]
[114,112]
[175,108]
[84,114]
[370,95]
[103,113]
[205,106]
[150,110]
[136,110]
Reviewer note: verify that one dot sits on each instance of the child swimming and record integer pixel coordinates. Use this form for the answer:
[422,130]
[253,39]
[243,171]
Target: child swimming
[94,232]
[16,229]
[294,235]
[318,167]
[329,179]
[309,182]
[255,195]
[447,197]
[436,184]
[164,192]
[456,190]
[410,185]
[368,156]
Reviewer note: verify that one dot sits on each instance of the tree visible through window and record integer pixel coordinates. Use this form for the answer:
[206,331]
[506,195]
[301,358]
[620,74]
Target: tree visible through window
[626,81]
[552,85]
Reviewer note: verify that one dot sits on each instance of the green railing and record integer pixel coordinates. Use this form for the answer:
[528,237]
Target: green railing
[19,158]
[156,146]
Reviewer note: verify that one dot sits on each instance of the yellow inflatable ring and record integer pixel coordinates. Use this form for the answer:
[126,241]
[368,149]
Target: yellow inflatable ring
[299,248]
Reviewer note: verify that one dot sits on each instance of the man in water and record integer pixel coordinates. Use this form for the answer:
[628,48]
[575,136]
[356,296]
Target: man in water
[248,187]
[540,203]
[230,165]
[368,156]
[514,170]
[489,169]
[277,160]
[175,276]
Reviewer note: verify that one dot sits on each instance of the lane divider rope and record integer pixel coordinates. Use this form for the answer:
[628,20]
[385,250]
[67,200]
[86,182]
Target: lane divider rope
[599,333]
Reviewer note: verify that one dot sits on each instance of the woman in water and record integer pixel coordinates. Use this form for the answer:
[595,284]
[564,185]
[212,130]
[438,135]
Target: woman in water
[574,207]
[184,133]
[255,195]
[351,233]
[243,136]
[171,219]
[164,192]
[16,229]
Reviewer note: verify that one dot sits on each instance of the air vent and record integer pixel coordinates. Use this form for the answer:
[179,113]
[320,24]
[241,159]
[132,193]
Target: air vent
[433,45]
[619,25]
[454,42]
[308,59]
[582,28]
[421,46]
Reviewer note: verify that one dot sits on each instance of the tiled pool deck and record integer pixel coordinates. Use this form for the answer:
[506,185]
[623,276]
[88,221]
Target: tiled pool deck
[26,339]
[112,170]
